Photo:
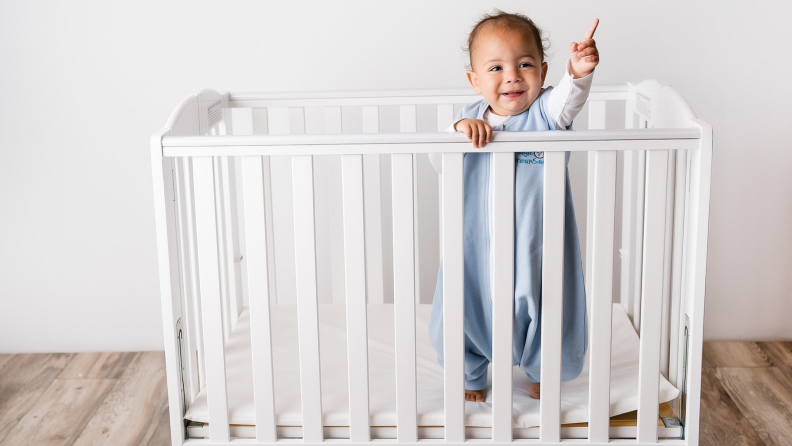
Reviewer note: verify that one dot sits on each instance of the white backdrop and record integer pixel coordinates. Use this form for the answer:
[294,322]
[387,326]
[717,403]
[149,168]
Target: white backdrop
[85,83]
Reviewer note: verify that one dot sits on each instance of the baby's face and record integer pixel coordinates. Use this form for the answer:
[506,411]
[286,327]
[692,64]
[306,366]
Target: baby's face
[507,70]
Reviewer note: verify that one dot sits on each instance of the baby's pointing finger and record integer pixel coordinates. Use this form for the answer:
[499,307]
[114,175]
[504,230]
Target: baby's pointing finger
[590,33]
[586,43]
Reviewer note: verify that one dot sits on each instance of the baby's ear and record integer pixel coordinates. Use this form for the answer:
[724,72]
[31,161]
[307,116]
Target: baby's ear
[544,72]
[473,79]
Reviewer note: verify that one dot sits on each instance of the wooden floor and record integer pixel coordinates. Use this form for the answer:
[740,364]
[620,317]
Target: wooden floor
[120,398]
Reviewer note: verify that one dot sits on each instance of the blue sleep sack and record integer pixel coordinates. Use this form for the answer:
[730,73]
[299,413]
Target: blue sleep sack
[528,202]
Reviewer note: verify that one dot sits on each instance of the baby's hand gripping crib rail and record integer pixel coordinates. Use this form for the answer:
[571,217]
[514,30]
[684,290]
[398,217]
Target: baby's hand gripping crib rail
[224,240]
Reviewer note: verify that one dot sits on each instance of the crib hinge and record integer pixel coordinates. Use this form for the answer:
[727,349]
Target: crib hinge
[683,403]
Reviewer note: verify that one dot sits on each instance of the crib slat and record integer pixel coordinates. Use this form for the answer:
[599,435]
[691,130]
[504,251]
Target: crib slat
[601,286]
[403,297]
[502,294]
[652,293]
[552,295]
[189,190]
[453,300]
[259,300]
[307,309]
[596,121]
[375,287]
[222,246]
[206,231]
[355,272]
[234,301]
[188,277]
[282,210]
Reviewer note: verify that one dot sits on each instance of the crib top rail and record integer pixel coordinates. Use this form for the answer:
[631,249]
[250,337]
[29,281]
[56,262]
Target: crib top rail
[629,139]
[385,97]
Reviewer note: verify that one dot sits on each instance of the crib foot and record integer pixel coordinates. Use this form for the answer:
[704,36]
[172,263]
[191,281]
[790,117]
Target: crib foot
[533,392]
[474,395]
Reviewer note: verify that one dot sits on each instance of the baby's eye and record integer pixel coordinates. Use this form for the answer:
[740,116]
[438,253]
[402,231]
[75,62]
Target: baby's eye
[495,68]
[525,64]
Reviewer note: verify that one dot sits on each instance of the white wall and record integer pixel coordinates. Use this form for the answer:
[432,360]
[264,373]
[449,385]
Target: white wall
[83,85]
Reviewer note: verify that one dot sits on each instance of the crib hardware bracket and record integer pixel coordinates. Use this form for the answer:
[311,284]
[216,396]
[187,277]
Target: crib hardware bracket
[671,422]
[684,375]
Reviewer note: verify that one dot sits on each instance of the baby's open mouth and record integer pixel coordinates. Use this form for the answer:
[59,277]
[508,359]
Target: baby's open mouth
[513,94]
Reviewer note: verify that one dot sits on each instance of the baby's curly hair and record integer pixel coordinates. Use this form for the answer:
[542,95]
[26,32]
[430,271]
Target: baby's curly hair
[507,21]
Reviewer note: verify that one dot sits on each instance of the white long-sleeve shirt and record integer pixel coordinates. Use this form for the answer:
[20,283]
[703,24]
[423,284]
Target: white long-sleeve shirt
[565,102]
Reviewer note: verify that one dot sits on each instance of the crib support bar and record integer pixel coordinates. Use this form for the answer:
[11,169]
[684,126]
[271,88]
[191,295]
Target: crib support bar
[552,295]
[601,286]
[404,298]
[502,294]
[355,279]
[307,305]
[453,298]
[652,295]
[259,299]
[208,254]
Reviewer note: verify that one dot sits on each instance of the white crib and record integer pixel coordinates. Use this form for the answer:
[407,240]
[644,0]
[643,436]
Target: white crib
[259,219]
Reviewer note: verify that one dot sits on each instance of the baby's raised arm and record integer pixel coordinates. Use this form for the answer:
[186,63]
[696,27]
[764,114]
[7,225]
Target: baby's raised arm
[569,96]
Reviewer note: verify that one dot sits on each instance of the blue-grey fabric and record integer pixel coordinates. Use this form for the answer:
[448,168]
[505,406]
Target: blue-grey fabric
[528,202]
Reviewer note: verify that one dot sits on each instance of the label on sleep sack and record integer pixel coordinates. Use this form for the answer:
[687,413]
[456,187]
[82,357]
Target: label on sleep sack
[530,158]
[643,106]
[214,113]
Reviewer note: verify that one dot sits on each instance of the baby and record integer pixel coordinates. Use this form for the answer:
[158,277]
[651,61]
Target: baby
[508,68]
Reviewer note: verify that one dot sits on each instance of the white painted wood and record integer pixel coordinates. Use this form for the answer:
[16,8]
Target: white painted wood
[597,120]
[652,295]
[355,280]
[234,296]
[667,257]
[408,119]
[552,295]
[502,294]
[167,261]
[421,144]
[373,212]
[445,116]
[453,300]
[208,252]
[280,176]
[260,126]
[697,230]
[187,277]
[601,286]
[404,297]
[638,231]
[680,206]
[222,248]
[259,300]
[418,231]
[655,139]
[307,305]
[189,191]
[330,227]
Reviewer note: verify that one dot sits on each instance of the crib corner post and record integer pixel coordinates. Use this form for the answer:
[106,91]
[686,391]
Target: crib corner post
[694,288]
[170,286]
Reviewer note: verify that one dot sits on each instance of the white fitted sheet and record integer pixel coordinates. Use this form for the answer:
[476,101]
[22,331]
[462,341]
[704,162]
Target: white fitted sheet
[382,380]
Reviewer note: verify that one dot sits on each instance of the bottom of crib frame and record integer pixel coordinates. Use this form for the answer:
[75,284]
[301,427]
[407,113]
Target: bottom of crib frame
[622,426]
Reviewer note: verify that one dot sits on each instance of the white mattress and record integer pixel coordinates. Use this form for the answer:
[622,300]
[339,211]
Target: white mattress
[382,397]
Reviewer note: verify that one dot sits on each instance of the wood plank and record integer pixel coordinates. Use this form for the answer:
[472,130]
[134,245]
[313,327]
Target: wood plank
[22,381]
[764,396]
[552,295]
[46,422]
[735,354]
[107,365]
[161,436]
[780,353]
[132,410]
[5,359]
[722,422]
